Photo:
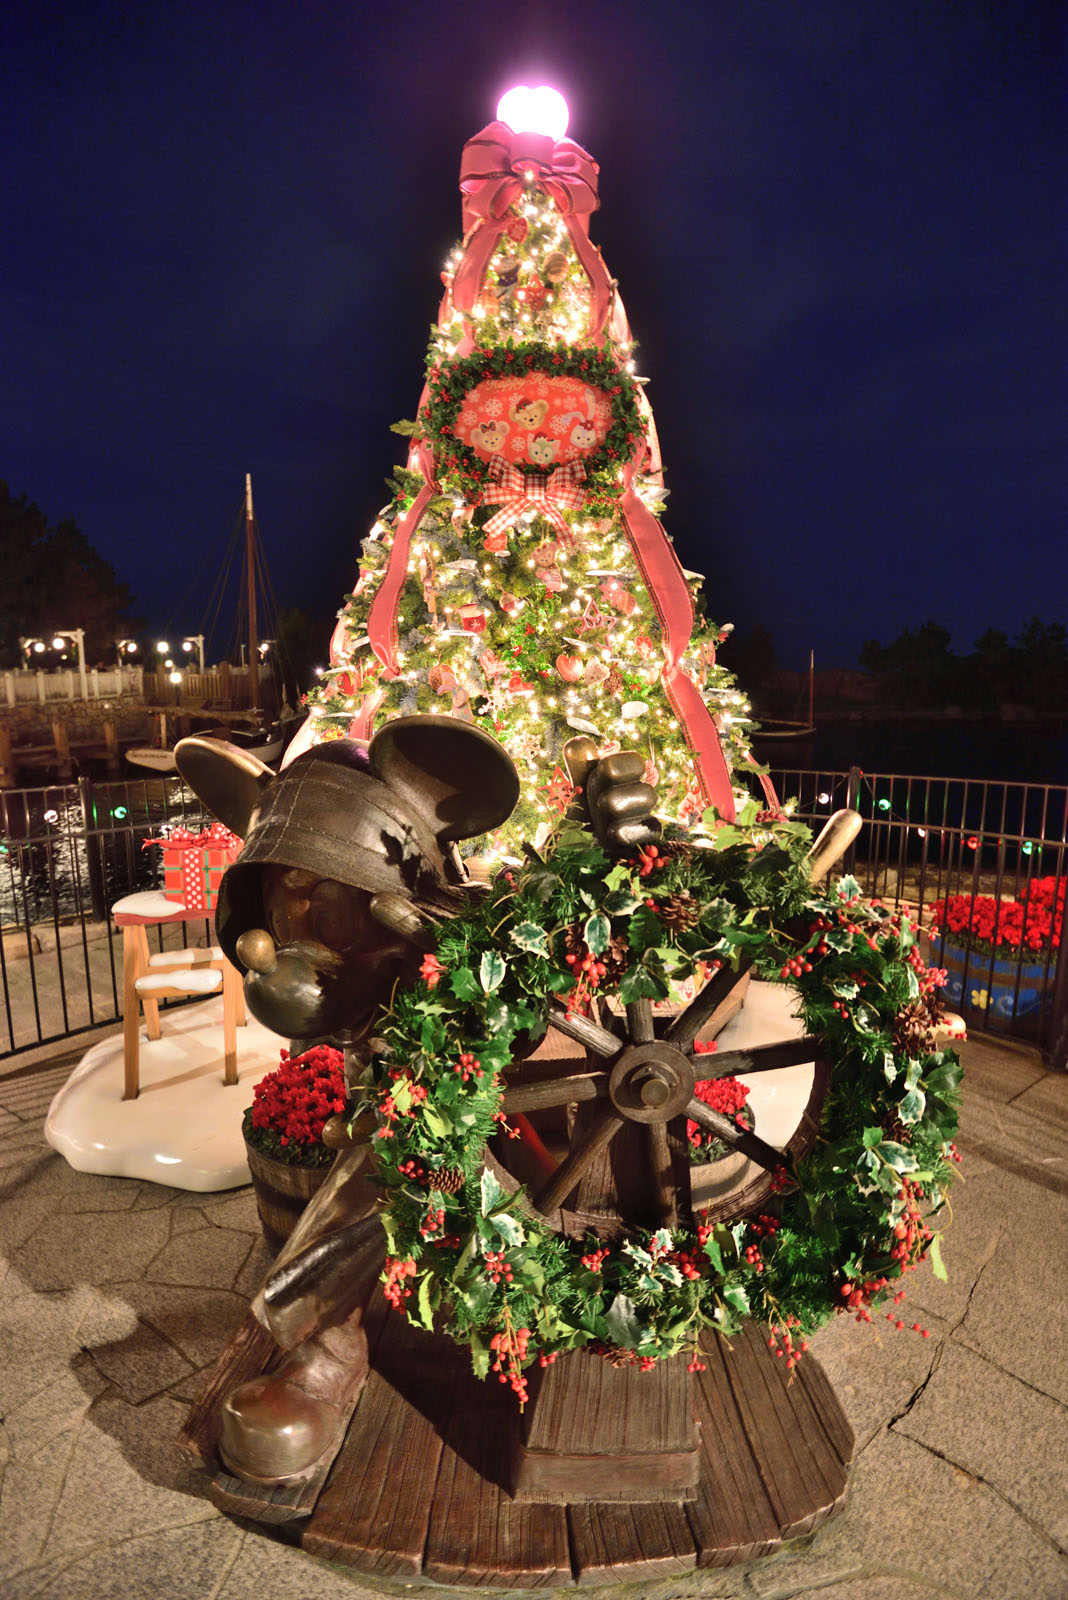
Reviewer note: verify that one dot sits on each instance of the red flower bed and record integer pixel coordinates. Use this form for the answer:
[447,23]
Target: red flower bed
[726,1095]
[1018,929]
[292,1103]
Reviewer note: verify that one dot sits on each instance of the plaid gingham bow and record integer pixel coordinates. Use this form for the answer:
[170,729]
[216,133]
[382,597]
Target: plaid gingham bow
[550,493]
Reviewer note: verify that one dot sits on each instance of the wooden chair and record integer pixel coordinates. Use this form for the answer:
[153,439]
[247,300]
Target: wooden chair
[167,975]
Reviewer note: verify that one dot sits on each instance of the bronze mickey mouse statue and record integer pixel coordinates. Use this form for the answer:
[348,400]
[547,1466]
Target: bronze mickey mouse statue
[350,857]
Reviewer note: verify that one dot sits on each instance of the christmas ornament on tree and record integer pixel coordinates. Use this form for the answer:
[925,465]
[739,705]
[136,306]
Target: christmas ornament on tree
[520,577]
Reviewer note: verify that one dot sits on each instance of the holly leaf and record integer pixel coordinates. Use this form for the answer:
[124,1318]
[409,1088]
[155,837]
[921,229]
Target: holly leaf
[530,937]
[622,901]
[491,970]
[480,1356]
[897,1156]
[623,1324]
[934,1252]
[736,1298]
[436,1121]
[714,1254]
[641,984]
[462,983]
[427,1300]
[402,1095]
[912,1106]
[510,1230]
[889,1066]
[872,1137]
[597,933]
[491,1191]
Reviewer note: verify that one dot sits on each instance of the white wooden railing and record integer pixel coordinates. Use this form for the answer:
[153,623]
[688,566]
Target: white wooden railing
[43,688]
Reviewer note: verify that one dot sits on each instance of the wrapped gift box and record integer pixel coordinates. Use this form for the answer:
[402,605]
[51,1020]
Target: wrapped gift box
[193,864]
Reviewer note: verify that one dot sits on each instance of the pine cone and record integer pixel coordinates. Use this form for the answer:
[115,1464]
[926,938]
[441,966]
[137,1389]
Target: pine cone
[613,683]
[679,912]
[449,1180]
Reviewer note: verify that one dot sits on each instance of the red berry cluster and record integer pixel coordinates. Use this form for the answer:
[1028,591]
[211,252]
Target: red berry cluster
[295,1099]
[510,1349]
[467,1067]
[649,858]
[497,1268]
[794,967]
[782,1341]
[414,1169]
[431,970]
[595,1260]
[397,1273]
[433,1222]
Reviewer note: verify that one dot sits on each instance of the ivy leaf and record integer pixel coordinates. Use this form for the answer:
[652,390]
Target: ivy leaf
[844,988]
[491,970]
[510,1230]
[491,1190]
[872,1137]
[530,937]
[622,1323]
[619,875]
[597,933]
[402,1095]
[462,983]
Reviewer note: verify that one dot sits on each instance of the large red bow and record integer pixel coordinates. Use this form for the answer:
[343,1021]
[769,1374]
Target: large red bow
[494,167]
[551,494]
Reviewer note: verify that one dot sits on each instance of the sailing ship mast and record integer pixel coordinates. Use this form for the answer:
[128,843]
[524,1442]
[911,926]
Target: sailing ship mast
[250,580]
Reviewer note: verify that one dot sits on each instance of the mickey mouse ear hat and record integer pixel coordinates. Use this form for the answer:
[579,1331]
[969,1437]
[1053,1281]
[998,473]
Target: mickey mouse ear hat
[378,819]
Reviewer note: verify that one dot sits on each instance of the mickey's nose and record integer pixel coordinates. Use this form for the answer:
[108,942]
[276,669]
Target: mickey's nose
[255,949]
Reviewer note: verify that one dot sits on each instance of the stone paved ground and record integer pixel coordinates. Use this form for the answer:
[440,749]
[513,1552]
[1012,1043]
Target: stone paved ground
[116,1295]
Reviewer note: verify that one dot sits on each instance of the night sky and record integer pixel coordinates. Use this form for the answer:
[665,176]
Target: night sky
[837,229]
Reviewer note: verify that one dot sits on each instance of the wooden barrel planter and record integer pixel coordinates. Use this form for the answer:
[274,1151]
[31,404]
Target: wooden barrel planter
[282,1191]
[1000,992]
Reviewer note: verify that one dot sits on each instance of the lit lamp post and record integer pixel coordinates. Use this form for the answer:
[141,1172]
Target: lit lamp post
[59,641]
[124,649]
[195,641]
[176,678]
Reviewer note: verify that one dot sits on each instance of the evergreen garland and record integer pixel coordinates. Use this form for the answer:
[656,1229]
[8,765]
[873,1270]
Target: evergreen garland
[466,1256]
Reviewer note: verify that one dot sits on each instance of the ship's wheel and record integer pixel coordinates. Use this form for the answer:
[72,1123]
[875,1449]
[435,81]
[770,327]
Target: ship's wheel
[606,1146]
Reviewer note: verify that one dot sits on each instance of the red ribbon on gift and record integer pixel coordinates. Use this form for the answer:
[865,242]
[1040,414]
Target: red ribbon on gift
[551,494]
[494,168]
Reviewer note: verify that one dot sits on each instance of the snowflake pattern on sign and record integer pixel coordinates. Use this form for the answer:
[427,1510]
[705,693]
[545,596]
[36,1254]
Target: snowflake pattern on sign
[543,420]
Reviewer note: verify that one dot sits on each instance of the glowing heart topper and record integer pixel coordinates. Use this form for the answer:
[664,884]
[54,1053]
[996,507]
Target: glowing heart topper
[540,110]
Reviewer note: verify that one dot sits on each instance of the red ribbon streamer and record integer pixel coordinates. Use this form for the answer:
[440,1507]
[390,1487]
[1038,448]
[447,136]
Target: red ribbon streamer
[382,618]
[493,171]
[550,494]
[670,594]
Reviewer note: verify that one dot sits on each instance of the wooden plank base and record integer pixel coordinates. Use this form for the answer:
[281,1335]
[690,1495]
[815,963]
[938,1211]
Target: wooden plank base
[418,1488]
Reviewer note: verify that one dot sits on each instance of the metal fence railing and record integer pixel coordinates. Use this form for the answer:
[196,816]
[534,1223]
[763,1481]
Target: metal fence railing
[67,853]
[988,855]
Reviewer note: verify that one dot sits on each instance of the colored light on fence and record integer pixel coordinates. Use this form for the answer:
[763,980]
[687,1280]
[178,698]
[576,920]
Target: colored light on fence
[540,110]
[1027,847]
[823,799]
[884,804]
[922,832]
[120,812]
[973,843]
[51,816]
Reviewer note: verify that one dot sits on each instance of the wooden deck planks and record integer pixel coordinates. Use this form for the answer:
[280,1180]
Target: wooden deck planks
[804,1476]
[630,1542]
[732,1518]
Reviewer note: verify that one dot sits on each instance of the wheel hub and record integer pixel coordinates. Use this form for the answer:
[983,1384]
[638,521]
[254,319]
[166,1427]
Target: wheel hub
[651,1082]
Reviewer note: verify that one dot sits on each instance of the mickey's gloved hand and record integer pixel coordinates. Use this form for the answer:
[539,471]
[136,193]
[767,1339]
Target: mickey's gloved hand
[613,796]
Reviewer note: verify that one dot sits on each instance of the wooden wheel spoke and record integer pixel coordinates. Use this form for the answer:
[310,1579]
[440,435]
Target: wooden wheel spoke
[688,1023]
[600,1133]
[586,1031]
[663,1174]
[640,1021]
[759,1058]
[749,1144]
[553,1091]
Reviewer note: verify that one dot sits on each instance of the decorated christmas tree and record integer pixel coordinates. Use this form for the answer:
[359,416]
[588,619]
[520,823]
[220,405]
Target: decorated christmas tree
[520,576]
